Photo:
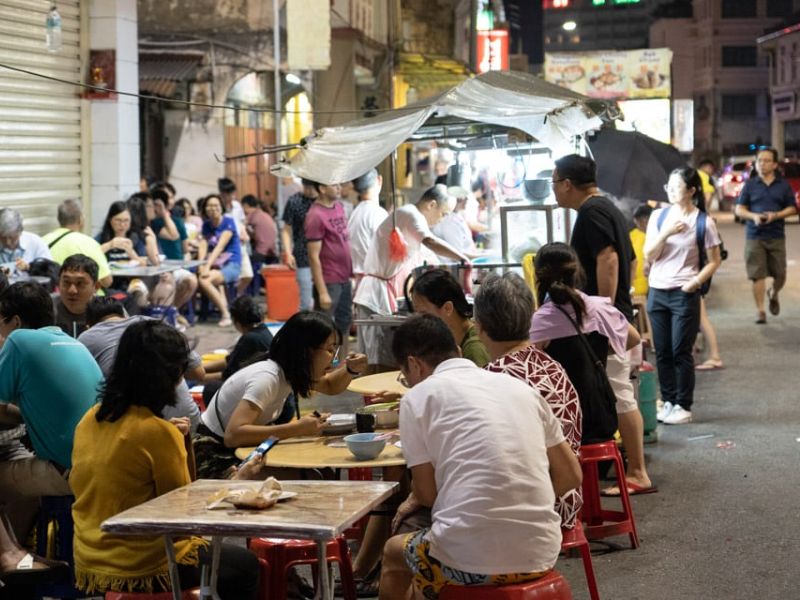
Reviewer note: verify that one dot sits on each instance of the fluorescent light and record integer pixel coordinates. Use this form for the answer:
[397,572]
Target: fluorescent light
[569,26]
[293,79]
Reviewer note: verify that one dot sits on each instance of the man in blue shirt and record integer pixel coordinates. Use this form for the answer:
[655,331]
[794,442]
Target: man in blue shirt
[765,201]
[47,381]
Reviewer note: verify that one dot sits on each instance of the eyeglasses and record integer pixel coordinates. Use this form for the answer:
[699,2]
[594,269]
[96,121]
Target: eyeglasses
[401,379]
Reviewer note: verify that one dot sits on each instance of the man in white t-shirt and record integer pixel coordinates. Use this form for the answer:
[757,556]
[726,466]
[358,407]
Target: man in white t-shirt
[383,279]
[454,228]
[488,456]
[366,217]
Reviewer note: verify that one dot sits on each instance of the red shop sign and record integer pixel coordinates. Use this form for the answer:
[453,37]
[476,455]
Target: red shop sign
[493,50]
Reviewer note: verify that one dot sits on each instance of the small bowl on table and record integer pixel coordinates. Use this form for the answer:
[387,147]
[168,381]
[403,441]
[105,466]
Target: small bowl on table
[364,446]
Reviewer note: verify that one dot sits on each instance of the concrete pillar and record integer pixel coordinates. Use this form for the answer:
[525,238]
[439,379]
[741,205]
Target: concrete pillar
[114,122]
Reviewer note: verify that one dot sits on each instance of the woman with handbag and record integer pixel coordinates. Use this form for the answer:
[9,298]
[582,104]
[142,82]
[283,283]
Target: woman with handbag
[222,251]
[579,331]
[683,249]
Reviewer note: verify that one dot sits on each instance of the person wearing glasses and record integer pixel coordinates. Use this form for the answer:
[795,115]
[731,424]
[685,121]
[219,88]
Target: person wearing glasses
[244,410]
[600,238]
[675,239]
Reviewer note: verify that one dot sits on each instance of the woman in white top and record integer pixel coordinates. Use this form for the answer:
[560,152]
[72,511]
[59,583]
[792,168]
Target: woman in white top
[245,407]
[683,249]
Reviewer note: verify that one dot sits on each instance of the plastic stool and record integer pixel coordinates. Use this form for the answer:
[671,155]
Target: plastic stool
[58,510]
[602,523]
[575,538]
[550,587]
[283,554]
[192,594]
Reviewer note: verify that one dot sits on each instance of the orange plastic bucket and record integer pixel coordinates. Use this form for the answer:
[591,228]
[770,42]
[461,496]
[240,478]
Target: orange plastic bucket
[281,290]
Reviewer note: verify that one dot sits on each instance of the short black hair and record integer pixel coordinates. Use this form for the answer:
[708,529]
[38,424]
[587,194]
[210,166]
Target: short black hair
[251,200]
[151,359]
[294,344]
[437,192]
[163,185]
[246,311]
[82,264]
[225,185]
[30,302]
[424,337]
[706,161]
[101,307]
[438,287]
[580,170]
[366,181]
[160,194]
[305,181]
[643,211]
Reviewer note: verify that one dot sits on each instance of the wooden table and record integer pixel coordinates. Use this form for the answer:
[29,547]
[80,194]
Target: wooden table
[321,511]
[316,454]
[380,382]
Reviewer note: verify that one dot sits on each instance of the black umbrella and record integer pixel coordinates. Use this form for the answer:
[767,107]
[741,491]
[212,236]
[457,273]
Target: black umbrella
[633,165]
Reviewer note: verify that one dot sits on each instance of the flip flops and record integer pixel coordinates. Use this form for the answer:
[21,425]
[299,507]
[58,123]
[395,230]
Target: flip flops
[27,571]
[634,489]
[709,365]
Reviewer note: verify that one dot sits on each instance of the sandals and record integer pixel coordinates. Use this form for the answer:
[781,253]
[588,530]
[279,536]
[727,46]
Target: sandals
[711,364]
[762,318]
[774,305]
[26,571]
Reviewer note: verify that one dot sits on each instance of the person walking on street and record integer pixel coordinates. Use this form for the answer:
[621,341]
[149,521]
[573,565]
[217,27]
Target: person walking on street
[764,203]
[293,241]
[600,238]
[683,249]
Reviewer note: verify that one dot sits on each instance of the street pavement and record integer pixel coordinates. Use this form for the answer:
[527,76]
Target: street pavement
[724,523]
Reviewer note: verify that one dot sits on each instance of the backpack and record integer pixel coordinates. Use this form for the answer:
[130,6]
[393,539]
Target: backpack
[700,231]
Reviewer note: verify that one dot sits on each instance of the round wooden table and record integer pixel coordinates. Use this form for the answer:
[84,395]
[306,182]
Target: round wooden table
[380,382]
[315,454]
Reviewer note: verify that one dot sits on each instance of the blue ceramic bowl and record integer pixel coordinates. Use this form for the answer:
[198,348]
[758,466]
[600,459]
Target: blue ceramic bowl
[364,446]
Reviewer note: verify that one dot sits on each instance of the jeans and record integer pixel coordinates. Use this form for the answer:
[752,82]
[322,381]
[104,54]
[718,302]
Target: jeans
[341,305]
[675,318]
[306,284]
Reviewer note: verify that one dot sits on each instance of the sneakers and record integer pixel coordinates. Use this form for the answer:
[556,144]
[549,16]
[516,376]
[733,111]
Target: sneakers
[665,410]
[678,416]
[774,305]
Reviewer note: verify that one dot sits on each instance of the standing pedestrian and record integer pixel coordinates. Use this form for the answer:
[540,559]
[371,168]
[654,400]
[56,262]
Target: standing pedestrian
[764,203]
[600,238]
[293,241]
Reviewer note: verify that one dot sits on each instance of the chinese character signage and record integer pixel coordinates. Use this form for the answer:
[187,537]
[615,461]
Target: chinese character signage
[493,50]
[612,75]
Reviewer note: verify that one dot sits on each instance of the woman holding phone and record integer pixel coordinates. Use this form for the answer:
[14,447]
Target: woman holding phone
[244,410]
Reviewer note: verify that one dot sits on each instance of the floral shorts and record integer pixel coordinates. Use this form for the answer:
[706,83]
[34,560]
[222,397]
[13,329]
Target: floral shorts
[430,576]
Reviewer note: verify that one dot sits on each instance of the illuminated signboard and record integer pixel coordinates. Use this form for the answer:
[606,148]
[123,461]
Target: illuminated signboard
[546,4]
[612,2]
[493,51]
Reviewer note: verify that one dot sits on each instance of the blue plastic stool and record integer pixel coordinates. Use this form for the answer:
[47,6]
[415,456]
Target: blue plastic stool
[58,510]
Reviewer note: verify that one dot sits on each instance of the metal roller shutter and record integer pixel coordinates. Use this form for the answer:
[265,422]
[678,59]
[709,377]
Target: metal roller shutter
[40,120]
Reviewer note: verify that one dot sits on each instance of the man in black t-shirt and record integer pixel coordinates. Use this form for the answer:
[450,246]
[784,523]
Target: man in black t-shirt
[600,239]
[293,241]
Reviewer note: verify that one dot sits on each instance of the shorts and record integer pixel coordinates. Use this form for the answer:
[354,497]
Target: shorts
[765,258]
[430,576]
[182,275]
[230,271]
[341,305]
[619,375]
[374,341]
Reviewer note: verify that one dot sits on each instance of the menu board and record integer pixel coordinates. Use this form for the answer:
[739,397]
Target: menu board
[612,75]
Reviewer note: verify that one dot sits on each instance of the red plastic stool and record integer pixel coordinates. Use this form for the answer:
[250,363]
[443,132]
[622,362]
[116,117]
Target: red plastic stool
[192,594]
[550,587]
[283,554]
[602,523]
[575,538]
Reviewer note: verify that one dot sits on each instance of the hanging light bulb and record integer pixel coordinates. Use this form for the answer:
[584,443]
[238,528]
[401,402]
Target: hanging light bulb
[53,25]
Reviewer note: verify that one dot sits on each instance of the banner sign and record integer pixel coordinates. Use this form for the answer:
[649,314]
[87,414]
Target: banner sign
[612,75]
[493,50]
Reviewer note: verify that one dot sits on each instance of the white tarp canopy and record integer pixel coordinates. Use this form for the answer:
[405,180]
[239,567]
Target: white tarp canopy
[549,113]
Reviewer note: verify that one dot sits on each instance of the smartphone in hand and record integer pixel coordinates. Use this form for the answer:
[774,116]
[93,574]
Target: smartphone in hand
[261,449]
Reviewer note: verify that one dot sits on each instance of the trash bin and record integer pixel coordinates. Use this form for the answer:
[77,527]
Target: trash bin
[281,291]
[648,392]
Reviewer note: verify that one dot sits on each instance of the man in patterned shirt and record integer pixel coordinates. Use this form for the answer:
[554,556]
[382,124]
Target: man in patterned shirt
[503,310]
[293,241]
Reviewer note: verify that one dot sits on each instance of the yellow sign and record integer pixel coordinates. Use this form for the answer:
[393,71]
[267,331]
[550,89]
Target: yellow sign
[612,75]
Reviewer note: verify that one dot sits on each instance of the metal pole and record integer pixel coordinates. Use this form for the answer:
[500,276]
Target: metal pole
[276,43]
[473,36]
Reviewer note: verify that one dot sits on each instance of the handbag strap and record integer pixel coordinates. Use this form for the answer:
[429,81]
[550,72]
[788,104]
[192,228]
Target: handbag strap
[597,362]
[59,238]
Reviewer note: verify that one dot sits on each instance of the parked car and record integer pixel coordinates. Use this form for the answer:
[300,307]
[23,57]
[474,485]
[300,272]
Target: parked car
[738,171]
